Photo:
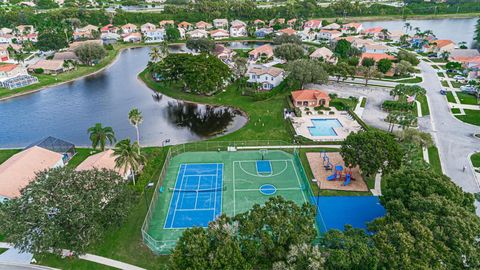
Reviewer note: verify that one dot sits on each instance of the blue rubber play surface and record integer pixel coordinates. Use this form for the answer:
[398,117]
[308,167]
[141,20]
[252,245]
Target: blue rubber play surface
[334,212]
[197,196]
[264,167]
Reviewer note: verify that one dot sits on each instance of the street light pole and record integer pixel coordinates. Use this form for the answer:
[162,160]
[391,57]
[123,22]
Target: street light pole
[148,186]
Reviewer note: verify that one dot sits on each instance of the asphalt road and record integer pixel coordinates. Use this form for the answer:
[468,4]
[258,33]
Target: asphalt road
[454,138]
[6,266]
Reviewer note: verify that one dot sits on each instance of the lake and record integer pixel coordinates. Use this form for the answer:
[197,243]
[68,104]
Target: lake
[457,30]
[67,111]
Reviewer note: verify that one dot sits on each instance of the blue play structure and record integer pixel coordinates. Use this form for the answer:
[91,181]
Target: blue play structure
[334,212]
[338,173]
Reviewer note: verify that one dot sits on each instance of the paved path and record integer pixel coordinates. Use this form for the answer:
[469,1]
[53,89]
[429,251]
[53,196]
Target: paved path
[13,255]
[12,266]
[453,138]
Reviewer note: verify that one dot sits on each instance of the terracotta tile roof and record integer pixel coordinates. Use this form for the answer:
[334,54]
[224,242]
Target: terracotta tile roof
[440,43]
[313,23]
[7,67]
[202,24]
[184,24]
[309,95]
[129,26]
[355,25]
[19,170]
[48,65]
[273,71]
[288,31]
[165,22]
[374,30]
[264,49]
[102,160]
[220,32]
[378,56]
[467,59]
[257,21]
[322,52]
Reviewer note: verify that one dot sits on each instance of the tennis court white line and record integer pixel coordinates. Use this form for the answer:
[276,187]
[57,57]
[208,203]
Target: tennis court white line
[171,198]
[299,184]
[257,189]
[234,190]
[198,187]
[199,175]
[255,160]
[265,176]
[195,209]
[215,193]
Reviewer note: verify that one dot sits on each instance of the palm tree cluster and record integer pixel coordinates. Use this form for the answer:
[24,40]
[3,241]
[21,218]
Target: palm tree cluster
[128,155]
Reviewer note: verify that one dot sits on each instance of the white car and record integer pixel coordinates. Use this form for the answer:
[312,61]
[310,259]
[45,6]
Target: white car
[458,77]
[468,88]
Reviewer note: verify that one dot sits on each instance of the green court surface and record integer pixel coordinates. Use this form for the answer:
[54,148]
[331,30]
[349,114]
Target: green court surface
[241,187]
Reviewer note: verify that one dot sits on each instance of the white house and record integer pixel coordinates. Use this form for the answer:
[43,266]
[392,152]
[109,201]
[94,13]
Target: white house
[375,48]
[197,33]
[352,28]
[129,28]
[182,32]
[220,23]
[266,77]
[132,37]
[328,34]
[219,34]
[13,76]
[312,24]
[203,25]
[154,36]
[147,27]
[5,30]
[332,26]
[238,30]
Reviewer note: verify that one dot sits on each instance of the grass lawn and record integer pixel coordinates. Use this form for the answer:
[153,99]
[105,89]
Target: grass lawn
[466,98]
[471,117]
[3,250]
[242,52]
[435,67]
[457,84]
[475,158]
[455,110]
[82,154]
[438,60]
[450,97]
[435,159]
[441,74]
[124,243]
[411,80]
[265,117]
[364,102]
[424,102]
[445,84]
[451,74]
[7,153]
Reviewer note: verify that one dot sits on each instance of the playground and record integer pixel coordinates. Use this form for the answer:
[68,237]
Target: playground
[332,173]
[200,186]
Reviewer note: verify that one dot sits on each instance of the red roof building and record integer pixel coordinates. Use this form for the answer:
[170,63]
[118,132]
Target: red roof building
[310,98]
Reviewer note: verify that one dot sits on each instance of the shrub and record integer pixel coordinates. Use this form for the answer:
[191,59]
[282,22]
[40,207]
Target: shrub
[331,113]
[298,112]
[39,71]
[391,105]
[108,47]
[339,105]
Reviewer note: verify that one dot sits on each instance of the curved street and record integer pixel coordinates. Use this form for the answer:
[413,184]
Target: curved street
[454,138]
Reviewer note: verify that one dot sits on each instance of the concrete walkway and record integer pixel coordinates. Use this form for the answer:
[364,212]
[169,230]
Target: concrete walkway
[24,259]
[453,138]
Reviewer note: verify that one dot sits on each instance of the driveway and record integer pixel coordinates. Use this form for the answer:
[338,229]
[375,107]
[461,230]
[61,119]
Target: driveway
[453,138]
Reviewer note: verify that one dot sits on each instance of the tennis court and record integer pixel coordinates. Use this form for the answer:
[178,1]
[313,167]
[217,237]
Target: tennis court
[200,186]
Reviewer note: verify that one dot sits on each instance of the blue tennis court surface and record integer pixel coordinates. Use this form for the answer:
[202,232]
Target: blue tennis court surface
[264,167]
[197,196]
[334,212]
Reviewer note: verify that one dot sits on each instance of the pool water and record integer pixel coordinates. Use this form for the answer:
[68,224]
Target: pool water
[324,127]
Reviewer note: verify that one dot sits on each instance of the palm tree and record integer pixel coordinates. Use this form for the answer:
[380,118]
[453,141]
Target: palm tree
[408,26]
[135,117]
[385,33]
[127,156]
[100,135]
[155,54]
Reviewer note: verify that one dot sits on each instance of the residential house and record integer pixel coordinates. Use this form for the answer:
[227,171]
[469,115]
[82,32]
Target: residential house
[291,23]
[220,23]
[6,39]
[263,32]
[463,53]
[238,30]
[5,30]
[197,33]
[147,27]
[25,29]
[442,45]
[237,22]
[219,34]
[264,51]
[104,160]
[165,23]
[182,33]
[352,28]
[4,54]
[325,54]
[332,26]
[132,37]
[87,32]
[49,66]
[375,32]
[154,36]
[109,28]
[375,48]
[329,35]
[14,76]
[287,31]
[129,28]
[66,149]
[109,38]
[74,45]
[32,37]
[376,56]
[470,60]
[66,56]
[185,25]
[395,35]
[225,54]
[258,23]
[307,35]
[203,25]
[310,98]
[266,77]
[279,21]
[313,24]
[20,169]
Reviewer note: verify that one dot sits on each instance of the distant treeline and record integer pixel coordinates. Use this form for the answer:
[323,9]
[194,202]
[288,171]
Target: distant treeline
[243,10]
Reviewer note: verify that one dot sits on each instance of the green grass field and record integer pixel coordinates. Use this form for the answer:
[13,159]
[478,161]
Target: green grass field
[7,153]
[471,117]
[241,187]
[434,158]
[450,97]
[80,156]
[466,98]
[424,103]
[455,110]
[475,158]
[441,75]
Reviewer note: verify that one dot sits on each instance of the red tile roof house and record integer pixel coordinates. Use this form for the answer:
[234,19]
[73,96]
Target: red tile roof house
[291,23]
[129,28]
[220,23]
[49,66]
[264,51]
[109,28]
[258,22]
[164,23]
[313,24]
[442,45]
[287,31]
[310,98]
[377,56]
[185,25]
[147,27]
[375,32]
[4,55]
[352,28]
[219,34]
[104,160]
[203,25]
[328,34]
[132,37]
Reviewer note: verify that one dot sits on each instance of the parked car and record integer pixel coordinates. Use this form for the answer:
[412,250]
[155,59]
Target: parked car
[443,92]
[468,88]
[458,77]
[432,55]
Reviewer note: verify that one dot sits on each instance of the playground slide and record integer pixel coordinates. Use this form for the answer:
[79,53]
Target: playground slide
[348,177]
[332,177]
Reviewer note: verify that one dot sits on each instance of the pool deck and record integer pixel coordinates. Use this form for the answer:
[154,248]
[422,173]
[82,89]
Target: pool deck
[301,124]
[316,164]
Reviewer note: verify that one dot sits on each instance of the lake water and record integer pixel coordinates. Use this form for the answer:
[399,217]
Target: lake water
[457,30]
[67,111]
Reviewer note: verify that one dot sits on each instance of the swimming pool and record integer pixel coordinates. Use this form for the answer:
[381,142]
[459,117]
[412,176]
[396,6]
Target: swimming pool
[324,127]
